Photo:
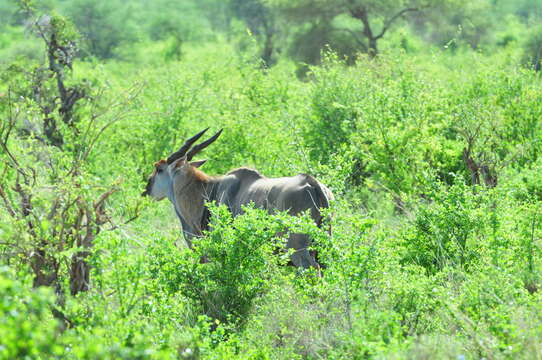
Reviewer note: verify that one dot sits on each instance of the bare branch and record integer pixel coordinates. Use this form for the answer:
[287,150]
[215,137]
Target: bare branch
[391,20]
[132,94]
[98,205]
[360,13]
[7,202]
[6,130]
[115,227]
[11,121]
[54,209]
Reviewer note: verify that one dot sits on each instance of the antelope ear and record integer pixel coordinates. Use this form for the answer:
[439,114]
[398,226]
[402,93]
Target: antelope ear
[198,163]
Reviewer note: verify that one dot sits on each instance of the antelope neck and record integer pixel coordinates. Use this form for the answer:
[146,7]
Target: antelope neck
[189,204]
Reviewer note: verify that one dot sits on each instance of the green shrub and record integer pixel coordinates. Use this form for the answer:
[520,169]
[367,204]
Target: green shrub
[456,273]
[229,268]
[443,231]
[27,329]
[104,25]
[334,100]
[532,50]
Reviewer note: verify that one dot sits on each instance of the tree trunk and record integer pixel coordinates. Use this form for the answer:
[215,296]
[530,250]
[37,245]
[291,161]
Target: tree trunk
[373,49]
[267,53]
[367,32]
[45,271]
[79,273]
[268,50]
[479,171]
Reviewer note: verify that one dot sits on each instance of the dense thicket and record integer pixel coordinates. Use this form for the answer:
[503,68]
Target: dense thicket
[431,141]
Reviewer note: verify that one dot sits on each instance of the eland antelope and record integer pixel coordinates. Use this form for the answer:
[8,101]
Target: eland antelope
[188,188]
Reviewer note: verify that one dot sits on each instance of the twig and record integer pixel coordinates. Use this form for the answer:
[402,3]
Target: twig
[114,227]
[98,204]
[7,202]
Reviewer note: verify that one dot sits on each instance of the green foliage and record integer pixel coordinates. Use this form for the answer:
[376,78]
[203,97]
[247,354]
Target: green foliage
[363,22]
[527,184]
[104,25]
[526,9]
[27,329]
[334,111]
[229,268]
[7,12]
[532,53]
[458,23]
[179,19]
[424,257]
[443,233]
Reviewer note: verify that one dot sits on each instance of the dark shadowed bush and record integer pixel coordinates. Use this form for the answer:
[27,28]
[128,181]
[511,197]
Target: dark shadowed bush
[532,50]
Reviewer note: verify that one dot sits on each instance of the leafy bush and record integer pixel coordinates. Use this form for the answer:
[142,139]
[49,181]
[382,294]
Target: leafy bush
[424,258]
[229,268]
[443,233]
[27,329]
[532,50]
[104,25]
[334,100]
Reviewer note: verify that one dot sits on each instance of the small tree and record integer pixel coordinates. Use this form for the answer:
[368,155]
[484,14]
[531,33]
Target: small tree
[262,23]
[241,262]
[375,17]
[22,310]
[47,134]
[104,25]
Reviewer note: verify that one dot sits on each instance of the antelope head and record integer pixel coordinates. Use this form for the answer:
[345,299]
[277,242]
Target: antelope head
[178,165]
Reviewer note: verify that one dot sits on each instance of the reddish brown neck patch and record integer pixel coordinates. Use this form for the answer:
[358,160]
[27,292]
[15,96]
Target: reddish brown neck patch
[199,175]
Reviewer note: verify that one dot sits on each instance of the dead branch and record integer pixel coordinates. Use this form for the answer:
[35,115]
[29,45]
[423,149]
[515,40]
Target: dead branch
[7,203]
